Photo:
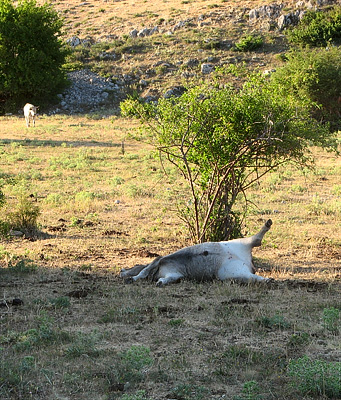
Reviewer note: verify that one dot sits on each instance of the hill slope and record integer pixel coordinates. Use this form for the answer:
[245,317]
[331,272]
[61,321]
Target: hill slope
[151,47]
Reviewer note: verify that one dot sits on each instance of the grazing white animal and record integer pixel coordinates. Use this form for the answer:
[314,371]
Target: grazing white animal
[205,261]
[30,112]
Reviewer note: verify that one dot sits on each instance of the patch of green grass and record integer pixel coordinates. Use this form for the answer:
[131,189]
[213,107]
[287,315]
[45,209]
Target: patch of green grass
[44,333]
[80,160]
[129,315]
[186,391]
[131,365]
[275,322]
[60,302]
[23,266]
[17,378]
[83,344]
[139,395]
[250,391]
[336,189]
[331,319]
[316,377]
[176,322]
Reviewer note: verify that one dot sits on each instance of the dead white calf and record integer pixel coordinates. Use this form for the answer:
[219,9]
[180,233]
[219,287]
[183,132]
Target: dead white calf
[30,112]
[205,261]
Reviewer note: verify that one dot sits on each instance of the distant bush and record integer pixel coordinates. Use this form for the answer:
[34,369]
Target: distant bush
[249,43]
[314,75]
[317,28]
[31,54]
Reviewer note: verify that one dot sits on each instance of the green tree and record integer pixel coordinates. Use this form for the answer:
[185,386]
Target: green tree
[31,54]
[222,141]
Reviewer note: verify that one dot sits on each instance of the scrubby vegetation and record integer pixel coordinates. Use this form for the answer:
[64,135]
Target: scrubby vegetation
[314,75]
[317,28]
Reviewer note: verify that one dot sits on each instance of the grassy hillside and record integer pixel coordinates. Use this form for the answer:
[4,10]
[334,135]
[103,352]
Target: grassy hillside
[207,33]
[71,329]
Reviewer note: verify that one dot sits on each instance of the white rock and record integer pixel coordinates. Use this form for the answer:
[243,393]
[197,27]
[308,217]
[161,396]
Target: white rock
[207,68]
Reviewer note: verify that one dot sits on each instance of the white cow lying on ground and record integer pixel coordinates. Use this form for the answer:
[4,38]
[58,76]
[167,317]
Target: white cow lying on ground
[205,261]
[30,112]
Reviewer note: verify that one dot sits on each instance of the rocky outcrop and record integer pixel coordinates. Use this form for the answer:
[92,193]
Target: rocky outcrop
[88,92]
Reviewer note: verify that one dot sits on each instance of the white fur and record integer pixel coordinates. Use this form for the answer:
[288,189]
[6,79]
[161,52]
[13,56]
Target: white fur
[205,261]
[30,112]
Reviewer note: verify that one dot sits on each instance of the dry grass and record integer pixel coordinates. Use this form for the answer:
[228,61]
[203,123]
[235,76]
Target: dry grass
[81,333]
[100,19]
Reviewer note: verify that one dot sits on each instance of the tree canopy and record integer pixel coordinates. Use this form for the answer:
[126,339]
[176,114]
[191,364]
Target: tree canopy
[31,53]
[224,140]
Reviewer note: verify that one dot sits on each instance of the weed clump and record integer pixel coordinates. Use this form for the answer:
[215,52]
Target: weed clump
[24,217]
[131,365]
[316,377]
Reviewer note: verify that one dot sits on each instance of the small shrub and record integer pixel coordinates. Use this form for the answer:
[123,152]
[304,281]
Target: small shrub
[25,215]
[16,379]
[84,196]
[297,188]
[4,226]
[45,333]
[298,340]
[249,43]
[135,191]
[336,190]
[2,199]
[117,180]
[316,377]
[331,319]
[274,322]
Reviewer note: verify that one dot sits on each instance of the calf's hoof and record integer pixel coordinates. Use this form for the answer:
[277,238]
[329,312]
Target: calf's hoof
[268,223]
